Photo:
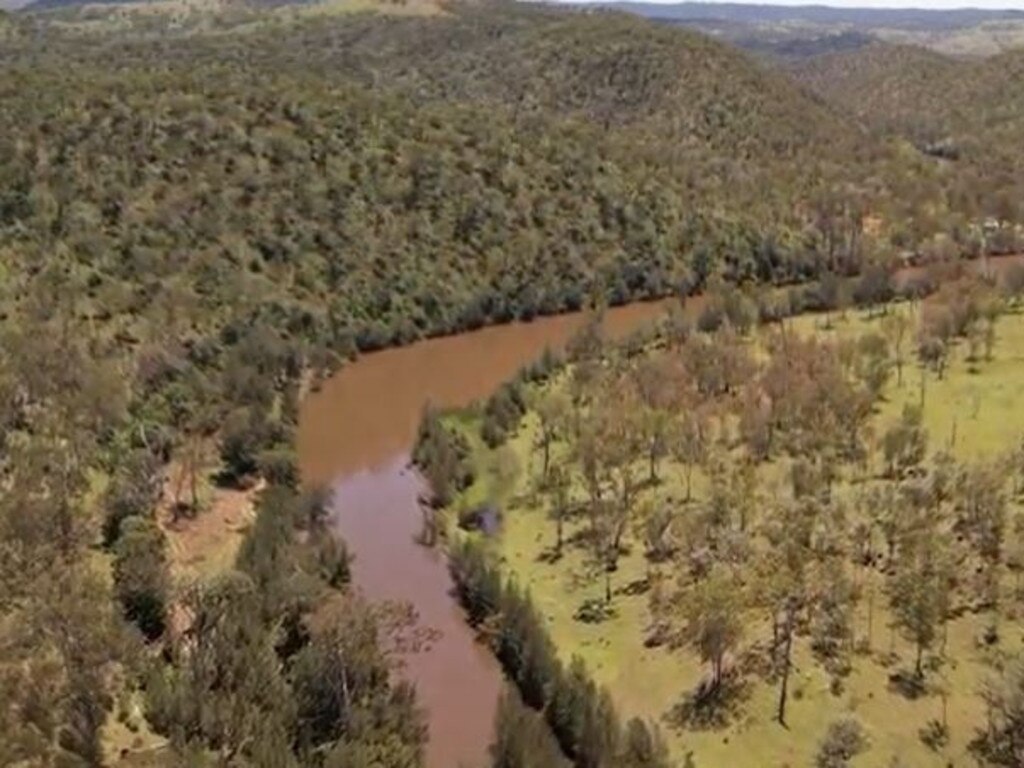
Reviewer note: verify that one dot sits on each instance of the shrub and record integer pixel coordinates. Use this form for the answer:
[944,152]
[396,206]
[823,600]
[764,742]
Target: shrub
[844,740]
[133,492]
[279,466]
[141,580]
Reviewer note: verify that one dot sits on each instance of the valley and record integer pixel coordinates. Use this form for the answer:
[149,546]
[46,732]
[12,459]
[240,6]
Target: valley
[422,384]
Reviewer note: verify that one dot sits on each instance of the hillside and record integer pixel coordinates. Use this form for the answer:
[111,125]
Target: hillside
[508,163]
[969,112]
[893,88]
[616,155]
[599,66]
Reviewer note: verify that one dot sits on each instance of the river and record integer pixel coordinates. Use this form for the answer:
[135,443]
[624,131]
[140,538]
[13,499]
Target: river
[355,435]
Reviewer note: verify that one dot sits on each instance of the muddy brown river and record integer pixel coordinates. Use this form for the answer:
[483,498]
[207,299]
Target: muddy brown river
[355,435]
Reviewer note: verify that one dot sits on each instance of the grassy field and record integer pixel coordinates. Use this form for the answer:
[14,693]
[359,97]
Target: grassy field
[976,411]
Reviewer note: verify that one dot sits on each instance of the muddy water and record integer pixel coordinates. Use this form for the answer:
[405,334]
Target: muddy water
[355,435]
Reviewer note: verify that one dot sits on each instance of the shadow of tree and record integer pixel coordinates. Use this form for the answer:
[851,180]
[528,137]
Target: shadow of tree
[709,708]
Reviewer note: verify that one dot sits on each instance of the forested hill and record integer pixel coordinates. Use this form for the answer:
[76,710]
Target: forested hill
[969,112]
[605,67]
[374,179]
[506,161]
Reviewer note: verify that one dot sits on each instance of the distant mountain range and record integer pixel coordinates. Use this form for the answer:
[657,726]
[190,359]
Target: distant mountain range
[892,18]
[796,31]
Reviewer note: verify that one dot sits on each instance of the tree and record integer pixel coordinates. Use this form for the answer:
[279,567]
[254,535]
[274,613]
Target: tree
[676,325]
[652,527]
[521,738]
[690,441]
[141,577]
[571,689]
[1001,743]
[904,443]
[582,718]
[873,364]
[342,684]
[874,287]
[441,454]
[656,382]
[133,491]
[712,615]
[919,589]
[982,507]
[991,310]
[559,485]
[782,587]
[933,353]
[643,747]
[191,456]
[896,327]
[552,409]
[523,647]
[843,741]
[504,471]
[225,688]
[1013,283]
[606,449]
[599,737]
[244,435]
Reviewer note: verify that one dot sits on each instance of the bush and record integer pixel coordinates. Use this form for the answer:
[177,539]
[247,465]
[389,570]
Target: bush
[331,558]
[443,457]
[594,611]
[134,491]
[141,580]
[711,318]
[844,740]
[247,433]
[503,413]
[240,444]
[934,735]
[874,287]
[521,738]
[279,466]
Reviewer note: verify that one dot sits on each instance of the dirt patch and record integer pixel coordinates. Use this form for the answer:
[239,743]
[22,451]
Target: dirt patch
[208,542]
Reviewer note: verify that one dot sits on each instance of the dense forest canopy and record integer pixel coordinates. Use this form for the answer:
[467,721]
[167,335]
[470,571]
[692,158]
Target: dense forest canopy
[966,112]
[508,162]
